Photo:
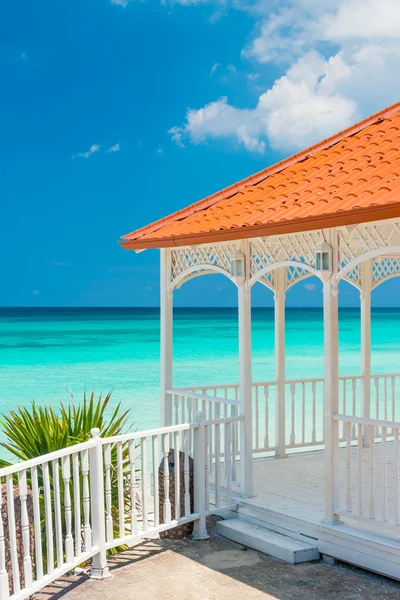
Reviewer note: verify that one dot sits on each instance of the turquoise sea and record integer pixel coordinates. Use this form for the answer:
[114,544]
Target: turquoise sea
[44,353]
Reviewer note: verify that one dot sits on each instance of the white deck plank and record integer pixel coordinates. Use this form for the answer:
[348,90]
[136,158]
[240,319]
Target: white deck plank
[295,485]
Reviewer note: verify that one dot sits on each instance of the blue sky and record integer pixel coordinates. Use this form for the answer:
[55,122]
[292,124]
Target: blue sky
[113,114]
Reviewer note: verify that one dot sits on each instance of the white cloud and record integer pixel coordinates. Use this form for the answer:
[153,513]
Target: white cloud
[215,66]
[177,134]
[35,293]
[295,112]
[310,287]
[115,148]
[92,150]
[342,57]
[122,3]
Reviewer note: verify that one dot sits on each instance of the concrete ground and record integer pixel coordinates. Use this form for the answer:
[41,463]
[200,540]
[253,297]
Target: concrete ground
[218,569]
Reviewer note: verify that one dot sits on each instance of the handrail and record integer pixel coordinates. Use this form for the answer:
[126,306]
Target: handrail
[194,396]
[190,388]
[366,421]
[39,460]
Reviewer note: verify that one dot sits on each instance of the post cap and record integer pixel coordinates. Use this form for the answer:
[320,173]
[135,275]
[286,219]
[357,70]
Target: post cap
[198,415]
[95,432]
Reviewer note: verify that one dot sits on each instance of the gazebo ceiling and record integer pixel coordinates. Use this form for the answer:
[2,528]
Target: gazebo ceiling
[352,177]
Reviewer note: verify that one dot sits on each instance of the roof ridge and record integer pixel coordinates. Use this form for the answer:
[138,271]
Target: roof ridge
[264,173]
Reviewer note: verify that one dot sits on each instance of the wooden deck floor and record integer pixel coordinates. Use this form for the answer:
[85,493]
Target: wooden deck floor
[295,486]
[292,485]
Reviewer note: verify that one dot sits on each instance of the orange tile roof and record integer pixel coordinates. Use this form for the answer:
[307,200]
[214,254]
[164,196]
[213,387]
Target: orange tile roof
[352,177]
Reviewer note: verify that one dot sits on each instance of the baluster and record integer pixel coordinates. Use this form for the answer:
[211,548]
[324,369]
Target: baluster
[225,442]
[257,418]
[377,397]
[108,494]
[36,524]
[371,439]
[207,503]
[177,477]
[384,474]
[69,541]
[48,517]
[77,504]
[347,428]
[186,472]
[393,401]
[385,398]
[155,481]
[23,495]
[353,391]
[4,589]
[57,511]
[167,502]
[87,532]
[234,444]
[12,534]
[236,434]
[266,438]
[176,405]
[360,469]
[133,486]
[145,512]
[303,412]
[120,480]
[183,420]
[210,435]
[344,385]
[190,419]
[314,410]
[217,434]
[292,393]
[396,476]
[228,467]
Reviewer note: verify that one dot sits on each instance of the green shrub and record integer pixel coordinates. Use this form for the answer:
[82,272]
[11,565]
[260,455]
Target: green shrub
[35,430]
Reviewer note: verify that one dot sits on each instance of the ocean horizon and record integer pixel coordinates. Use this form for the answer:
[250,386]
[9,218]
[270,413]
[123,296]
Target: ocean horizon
[52,354]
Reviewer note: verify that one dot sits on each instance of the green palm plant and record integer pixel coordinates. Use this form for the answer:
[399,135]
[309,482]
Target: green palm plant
[35,430]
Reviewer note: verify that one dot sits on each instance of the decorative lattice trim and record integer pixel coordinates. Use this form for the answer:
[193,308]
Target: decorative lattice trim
[200,260]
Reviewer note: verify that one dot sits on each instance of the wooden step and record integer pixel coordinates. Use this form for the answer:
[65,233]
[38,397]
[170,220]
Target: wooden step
[264,540]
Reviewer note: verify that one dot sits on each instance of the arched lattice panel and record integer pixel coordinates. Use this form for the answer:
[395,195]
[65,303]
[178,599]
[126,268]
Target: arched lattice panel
[354,242]
[354,276]
[383,268]
[295,247]
[198,259]
[268,280]
[296,274]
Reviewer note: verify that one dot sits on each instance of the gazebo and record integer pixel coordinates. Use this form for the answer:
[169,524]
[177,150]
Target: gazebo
[331,211]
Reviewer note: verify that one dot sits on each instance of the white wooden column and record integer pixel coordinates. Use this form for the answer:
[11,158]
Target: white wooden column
[365,299]
[280,421]
[331,373]
[166,304]
[245,383]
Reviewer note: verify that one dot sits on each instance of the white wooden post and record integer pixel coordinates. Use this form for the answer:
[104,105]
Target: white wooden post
[99,568]
[331,373]
[280,420]
[365,299]
[200,478]
[245,382]
[166,314]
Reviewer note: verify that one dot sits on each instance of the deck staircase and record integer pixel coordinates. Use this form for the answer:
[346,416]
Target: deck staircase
[248,532]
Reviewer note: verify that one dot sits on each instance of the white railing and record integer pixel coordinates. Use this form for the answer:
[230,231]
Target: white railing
[42,487]
[79,502]
[304,419]
[367,479]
